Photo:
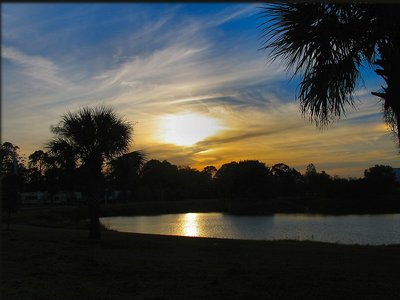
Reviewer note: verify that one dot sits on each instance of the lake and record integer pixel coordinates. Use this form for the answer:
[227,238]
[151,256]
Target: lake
[346,229]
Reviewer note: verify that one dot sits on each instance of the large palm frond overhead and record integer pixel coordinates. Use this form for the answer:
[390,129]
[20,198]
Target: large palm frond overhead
[327,43]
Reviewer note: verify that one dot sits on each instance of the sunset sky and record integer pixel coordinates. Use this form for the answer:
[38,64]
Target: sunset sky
[189,77]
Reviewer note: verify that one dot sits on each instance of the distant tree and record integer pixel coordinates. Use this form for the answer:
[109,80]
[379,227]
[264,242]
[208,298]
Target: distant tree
[38,160]
[287,180]
[160,178]
[380,179]
[62,153]
[281,169]
[210,171]
[328,44]
[311,179]
[339,187]
[324,181]
[37,163]
[94,135]
[318,183]
[311,170]
[53,176]
[226,179]
[61,172]
[11,177]
[193,183]
[159,173]
[10,159]
[246,179]
[124,171]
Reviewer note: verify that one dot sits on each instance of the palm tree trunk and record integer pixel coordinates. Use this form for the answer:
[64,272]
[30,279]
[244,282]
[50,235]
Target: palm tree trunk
[94,213]
[94,201]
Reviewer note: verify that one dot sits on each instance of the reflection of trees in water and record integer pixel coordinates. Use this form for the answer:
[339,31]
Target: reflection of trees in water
[249,226]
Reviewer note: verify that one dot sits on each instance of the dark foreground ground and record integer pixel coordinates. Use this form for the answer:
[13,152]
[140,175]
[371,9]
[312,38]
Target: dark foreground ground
[49,263]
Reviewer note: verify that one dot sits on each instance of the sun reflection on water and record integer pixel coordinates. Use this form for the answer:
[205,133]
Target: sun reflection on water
[190,225]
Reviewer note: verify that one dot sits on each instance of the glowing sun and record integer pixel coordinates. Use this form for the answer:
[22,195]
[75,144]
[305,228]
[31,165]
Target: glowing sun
[187,129]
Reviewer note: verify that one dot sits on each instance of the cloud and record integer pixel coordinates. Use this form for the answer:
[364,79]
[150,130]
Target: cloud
[277,133]
[239,136]
[230,14]
[37,67]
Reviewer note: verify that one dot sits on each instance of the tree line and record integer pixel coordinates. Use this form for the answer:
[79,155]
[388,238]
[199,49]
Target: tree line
[138,179]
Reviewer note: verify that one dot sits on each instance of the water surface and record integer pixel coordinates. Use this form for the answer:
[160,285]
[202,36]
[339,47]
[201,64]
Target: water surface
[349,229]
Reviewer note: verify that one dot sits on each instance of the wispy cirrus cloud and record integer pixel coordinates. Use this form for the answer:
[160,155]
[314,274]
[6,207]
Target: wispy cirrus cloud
[37,67]
[231,14]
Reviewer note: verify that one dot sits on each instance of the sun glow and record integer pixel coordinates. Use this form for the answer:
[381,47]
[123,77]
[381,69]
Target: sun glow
[187,129]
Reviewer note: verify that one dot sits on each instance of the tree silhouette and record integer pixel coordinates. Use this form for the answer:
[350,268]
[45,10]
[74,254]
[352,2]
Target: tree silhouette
[311,170]
[210,171]
[61,173]
[37,163]
[193,183]
[286,179]
[124,171]
[11,177]
[328,43]
[10,159]
[244,179]
[37,160]
[62,154]
[380,179]
[94,135]
[162,178]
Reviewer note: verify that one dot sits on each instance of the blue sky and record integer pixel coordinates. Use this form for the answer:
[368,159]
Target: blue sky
[154,62]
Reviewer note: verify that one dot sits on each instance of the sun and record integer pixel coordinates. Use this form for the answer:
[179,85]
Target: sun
[188,128]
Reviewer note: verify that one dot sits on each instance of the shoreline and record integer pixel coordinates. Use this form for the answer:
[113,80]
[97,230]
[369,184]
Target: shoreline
[234,207]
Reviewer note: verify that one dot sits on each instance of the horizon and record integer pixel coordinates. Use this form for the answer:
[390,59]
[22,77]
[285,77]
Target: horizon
[191,79]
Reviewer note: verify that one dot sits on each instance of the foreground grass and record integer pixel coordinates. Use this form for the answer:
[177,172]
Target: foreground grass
[40,263]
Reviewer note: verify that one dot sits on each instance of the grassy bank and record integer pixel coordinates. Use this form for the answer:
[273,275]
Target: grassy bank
[74,216]
[54,264]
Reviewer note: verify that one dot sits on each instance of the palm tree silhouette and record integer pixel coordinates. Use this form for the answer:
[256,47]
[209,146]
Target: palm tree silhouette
[328,43]
[93,135]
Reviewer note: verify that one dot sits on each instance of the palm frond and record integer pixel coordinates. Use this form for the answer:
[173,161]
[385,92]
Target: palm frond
[94,132]
[326,44]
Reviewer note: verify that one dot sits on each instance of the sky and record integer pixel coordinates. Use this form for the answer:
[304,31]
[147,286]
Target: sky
[189,77]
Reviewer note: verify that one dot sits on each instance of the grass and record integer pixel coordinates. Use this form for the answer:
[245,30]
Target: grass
[73,216]
[61,263]
[64,264]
